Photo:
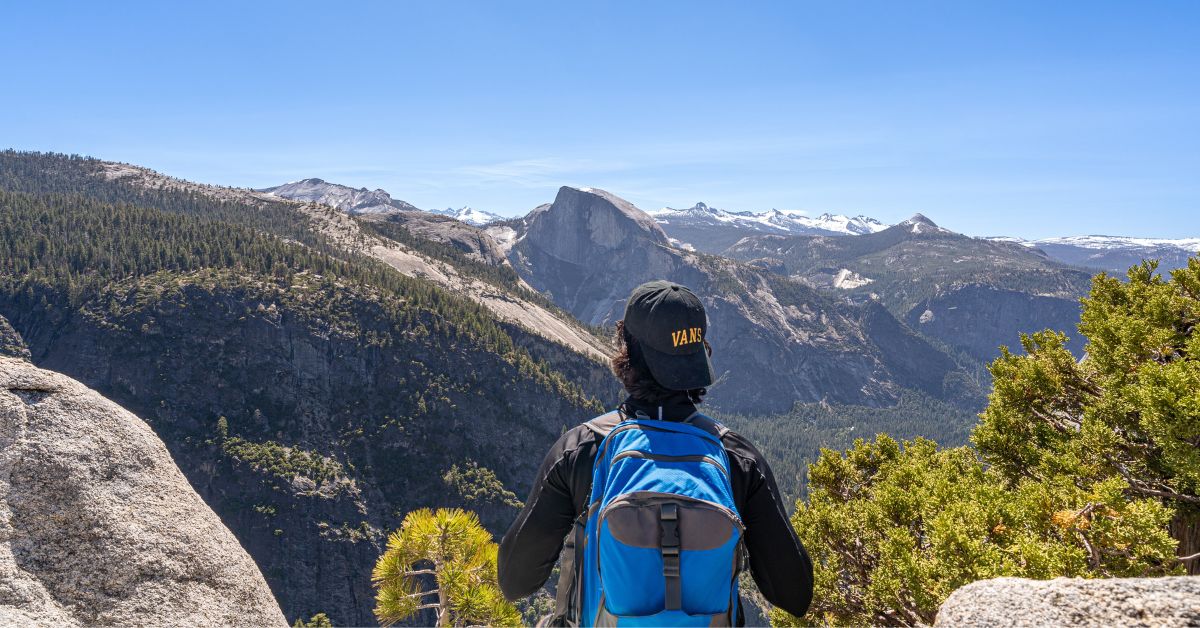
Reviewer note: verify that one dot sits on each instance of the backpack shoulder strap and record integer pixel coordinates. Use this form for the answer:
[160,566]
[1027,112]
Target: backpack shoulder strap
[604,423]
[707,424]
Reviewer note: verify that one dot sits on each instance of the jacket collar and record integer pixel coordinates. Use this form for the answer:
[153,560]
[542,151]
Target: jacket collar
[674,408]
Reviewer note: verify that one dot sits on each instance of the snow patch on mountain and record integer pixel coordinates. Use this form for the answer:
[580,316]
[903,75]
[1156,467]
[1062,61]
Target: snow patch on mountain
[772,221]
[1120,242]
[680,244]
[469,215]
[1107,243]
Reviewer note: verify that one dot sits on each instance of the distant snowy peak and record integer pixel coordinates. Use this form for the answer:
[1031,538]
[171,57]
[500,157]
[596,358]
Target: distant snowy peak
[469,215]
[838,223]
[1114,253]
[1108,243]
[777,221]
[1122,242]
[345,198]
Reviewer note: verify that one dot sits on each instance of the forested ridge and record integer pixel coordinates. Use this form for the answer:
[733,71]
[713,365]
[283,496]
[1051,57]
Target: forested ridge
[53,173]
[79,246]
[908,266]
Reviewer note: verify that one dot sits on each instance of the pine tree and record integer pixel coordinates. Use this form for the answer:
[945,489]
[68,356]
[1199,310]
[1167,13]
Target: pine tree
[1084,468]
[1128,413]
[450,548]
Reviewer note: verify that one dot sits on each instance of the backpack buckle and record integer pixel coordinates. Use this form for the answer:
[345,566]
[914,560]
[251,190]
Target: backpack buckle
[668,516]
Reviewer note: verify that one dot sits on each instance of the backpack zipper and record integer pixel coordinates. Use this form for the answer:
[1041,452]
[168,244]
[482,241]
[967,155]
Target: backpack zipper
[650,428]
[633,453]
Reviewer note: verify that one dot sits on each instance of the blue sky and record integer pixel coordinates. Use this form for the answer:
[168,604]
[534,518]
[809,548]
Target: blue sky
[1038,119]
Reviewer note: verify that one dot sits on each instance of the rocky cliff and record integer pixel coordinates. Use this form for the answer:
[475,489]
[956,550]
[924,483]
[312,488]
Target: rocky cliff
[1074,602]
[978,318]
[99,527]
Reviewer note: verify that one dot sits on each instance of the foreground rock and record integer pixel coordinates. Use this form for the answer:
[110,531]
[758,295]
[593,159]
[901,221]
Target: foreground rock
[1074,602]
[97,524]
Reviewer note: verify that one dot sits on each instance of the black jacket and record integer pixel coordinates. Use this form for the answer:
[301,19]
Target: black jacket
[778,562]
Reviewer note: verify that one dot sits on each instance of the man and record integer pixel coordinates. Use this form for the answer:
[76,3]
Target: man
[663,363]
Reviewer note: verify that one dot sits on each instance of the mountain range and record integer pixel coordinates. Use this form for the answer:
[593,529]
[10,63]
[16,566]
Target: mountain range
[712,230]
[969,293]
[1115,253]
[320,360]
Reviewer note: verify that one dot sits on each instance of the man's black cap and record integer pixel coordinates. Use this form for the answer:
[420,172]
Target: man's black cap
[669,324]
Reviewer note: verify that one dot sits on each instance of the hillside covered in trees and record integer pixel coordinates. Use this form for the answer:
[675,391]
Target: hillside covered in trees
[311,395]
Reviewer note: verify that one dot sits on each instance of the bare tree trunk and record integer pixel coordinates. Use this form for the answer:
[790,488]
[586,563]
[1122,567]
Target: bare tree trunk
[443,608]
[1185,528]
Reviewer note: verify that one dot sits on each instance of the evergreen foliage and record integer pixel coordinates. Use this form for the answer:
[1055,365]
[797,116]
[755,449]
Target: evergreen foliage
[86,252]
[907,267]
[1083,468]
[1129,412]
[320,620]
[53,173]
[449,548]
[282,461]
[893,530]
[793,441]
[478,485]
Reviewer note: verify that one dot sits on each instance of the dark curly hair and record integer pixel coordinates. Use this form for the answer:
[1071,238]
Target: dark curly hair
[630,367]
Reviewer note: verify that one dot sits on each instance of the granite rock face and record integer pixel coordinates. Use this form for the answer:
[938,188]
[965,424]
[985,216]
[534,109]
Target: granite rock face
[1074,602]
[97,524]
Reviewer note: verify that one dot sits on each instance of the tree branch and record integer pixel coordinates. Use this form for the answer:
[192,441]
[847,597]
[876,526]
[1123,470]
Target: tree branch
[1142,488]
[421,572]
[1188,559]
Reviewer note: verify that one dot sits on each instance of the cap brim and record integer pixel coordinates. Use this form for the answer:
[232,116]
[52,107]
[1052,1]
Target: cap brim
[679,372]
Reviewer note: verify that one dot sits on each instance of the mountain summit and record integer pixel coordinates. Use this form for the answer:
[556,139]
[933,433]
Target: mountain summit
[343,197]
[920,224]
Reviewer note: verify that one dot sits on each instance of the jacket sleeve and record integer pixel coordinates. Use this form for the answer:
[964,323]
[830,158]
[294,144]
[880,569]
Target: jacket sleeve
[531,546]
[778,562]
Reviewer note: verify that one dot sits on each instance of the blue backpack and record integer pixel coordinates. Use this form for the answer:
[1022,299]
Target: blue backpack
[660,542]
